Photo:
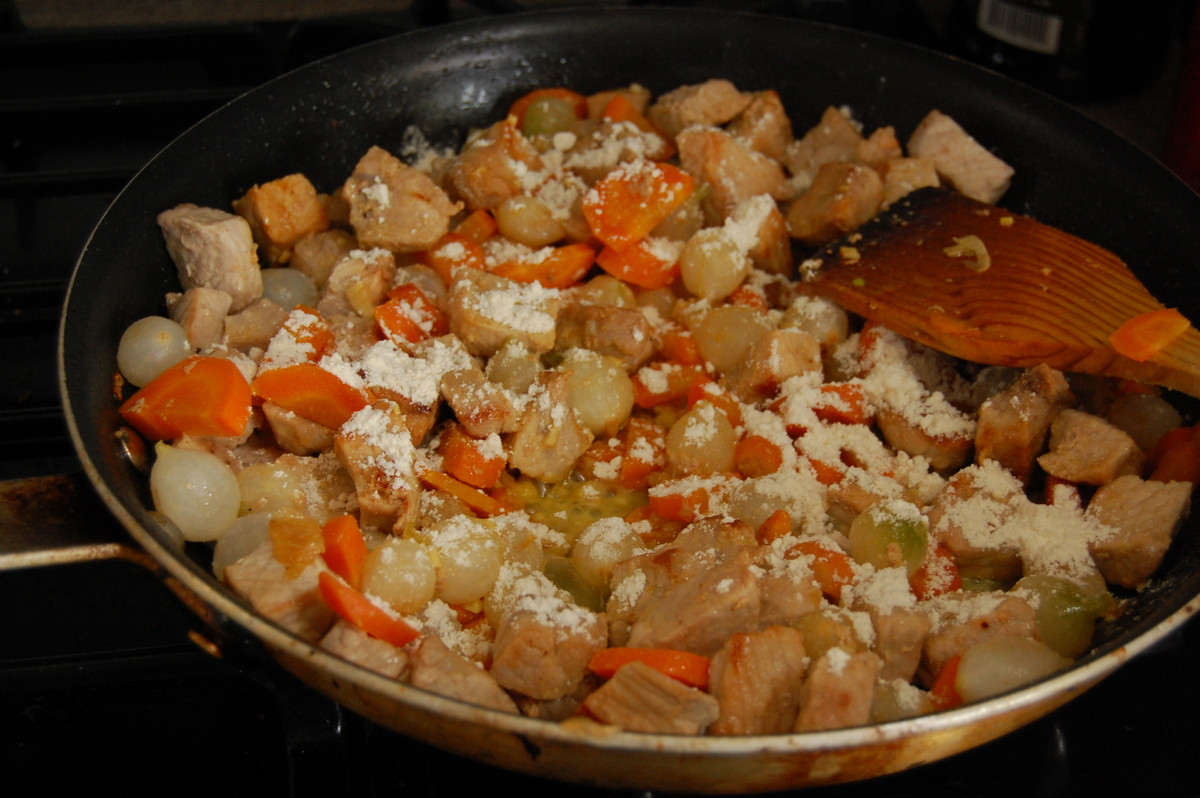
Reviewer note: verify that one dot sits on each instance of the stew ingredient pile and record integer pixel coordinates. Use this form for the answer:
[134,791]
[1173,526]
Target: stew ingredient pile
[548,425]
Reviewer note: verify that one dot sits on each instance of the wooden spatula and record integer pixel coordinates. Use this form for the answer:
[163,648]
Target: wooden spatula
[984,284]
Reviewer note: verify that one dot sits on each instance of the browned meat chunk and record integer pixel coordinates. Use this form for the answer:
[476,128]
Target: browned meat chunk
[489,171]
[640,581]
[481,406]
[349,642]
[640,699]
[214,249]
[549,438]
[486,310]
[756,680]
[699,614]
[899,637]
[842,196]
[775,357]
[838,691]
[296,434]
[280,213]
[439,670]
[765,125]
[732,171]
[254,326]
[1145,516]
[965,516]
[834,138]
[201,312]
[358,283]
[1086,448]
[376,449]
[713,102]
[961,161]
[295,604]
[902,176]
[395,206]
[317,253]
[1014,424]
[970,620]
[543,646]
[623,333]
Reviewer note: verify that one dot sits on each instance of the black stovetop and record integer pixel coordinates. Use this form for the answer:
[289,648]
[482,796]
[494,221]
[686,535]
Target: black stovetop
[101,684]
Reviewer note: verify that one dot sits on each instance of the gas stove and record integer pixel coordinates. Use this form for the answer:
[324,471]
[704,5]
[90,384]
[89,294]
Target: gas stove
[105,678]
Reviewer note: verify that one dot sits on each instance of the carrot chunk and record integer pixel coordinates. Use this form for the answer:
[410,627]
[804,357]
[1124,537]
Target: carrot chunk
[474,498]
[410,316]
[345,548]
[466,458]
[364,613]
[1144,336]
[640,264]
[197,396]
[756,456]
[310,392]
[683,666]
[552,267]
[628,203]
[832,568]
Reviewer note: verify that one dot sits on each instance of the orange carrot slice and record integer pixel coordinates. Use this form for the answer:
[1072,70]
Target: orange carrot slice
[1144,336]
[310,392]
[364,613]
[197,396]
[683,666]
[345,548]
[627,204]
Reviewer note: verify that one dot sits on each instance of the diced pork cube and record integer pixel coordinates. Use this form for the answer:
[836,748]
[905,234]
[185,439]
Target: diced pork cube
[640,699]
[775,357]
[214,249]
[438,669]
[482,407]
[376,449]
[349,642]
[965,516]
[201,312]
[280,213]
[699,614]
[756,679]
[968,620]
[1014,424]
[623,333]
[732,171]
[543,646]
[713,102]
[838,692]
[1145,516]
[961,161]
[317,253]
[254,326]
[490,169]
[834,138]
[486,311]
[900,635]
[294,604]
[1086,448]
[549,438]
[765,125]
[296,434]
[902,176]
[842,196]
[395,206]
[357,283]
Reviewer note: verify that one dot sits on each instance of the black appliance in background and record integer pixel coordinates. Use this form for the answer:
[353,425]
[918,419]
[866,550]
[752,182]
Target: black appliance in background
[101,684]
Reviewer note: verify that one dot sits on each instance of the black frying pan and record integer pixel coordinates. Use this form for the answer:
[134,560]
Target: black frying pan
[320,119]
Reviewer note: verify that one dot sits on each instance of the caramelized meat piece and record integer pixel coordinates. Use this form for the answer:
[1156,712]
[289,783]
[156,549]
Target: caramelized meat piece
[395,206]
[1145,516]
[756,679]
[640,699]
[214,249]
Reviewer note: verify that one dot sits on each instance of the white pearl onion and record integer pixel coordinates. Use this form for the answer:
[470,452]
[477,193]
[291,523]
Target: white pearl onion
[196,490]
